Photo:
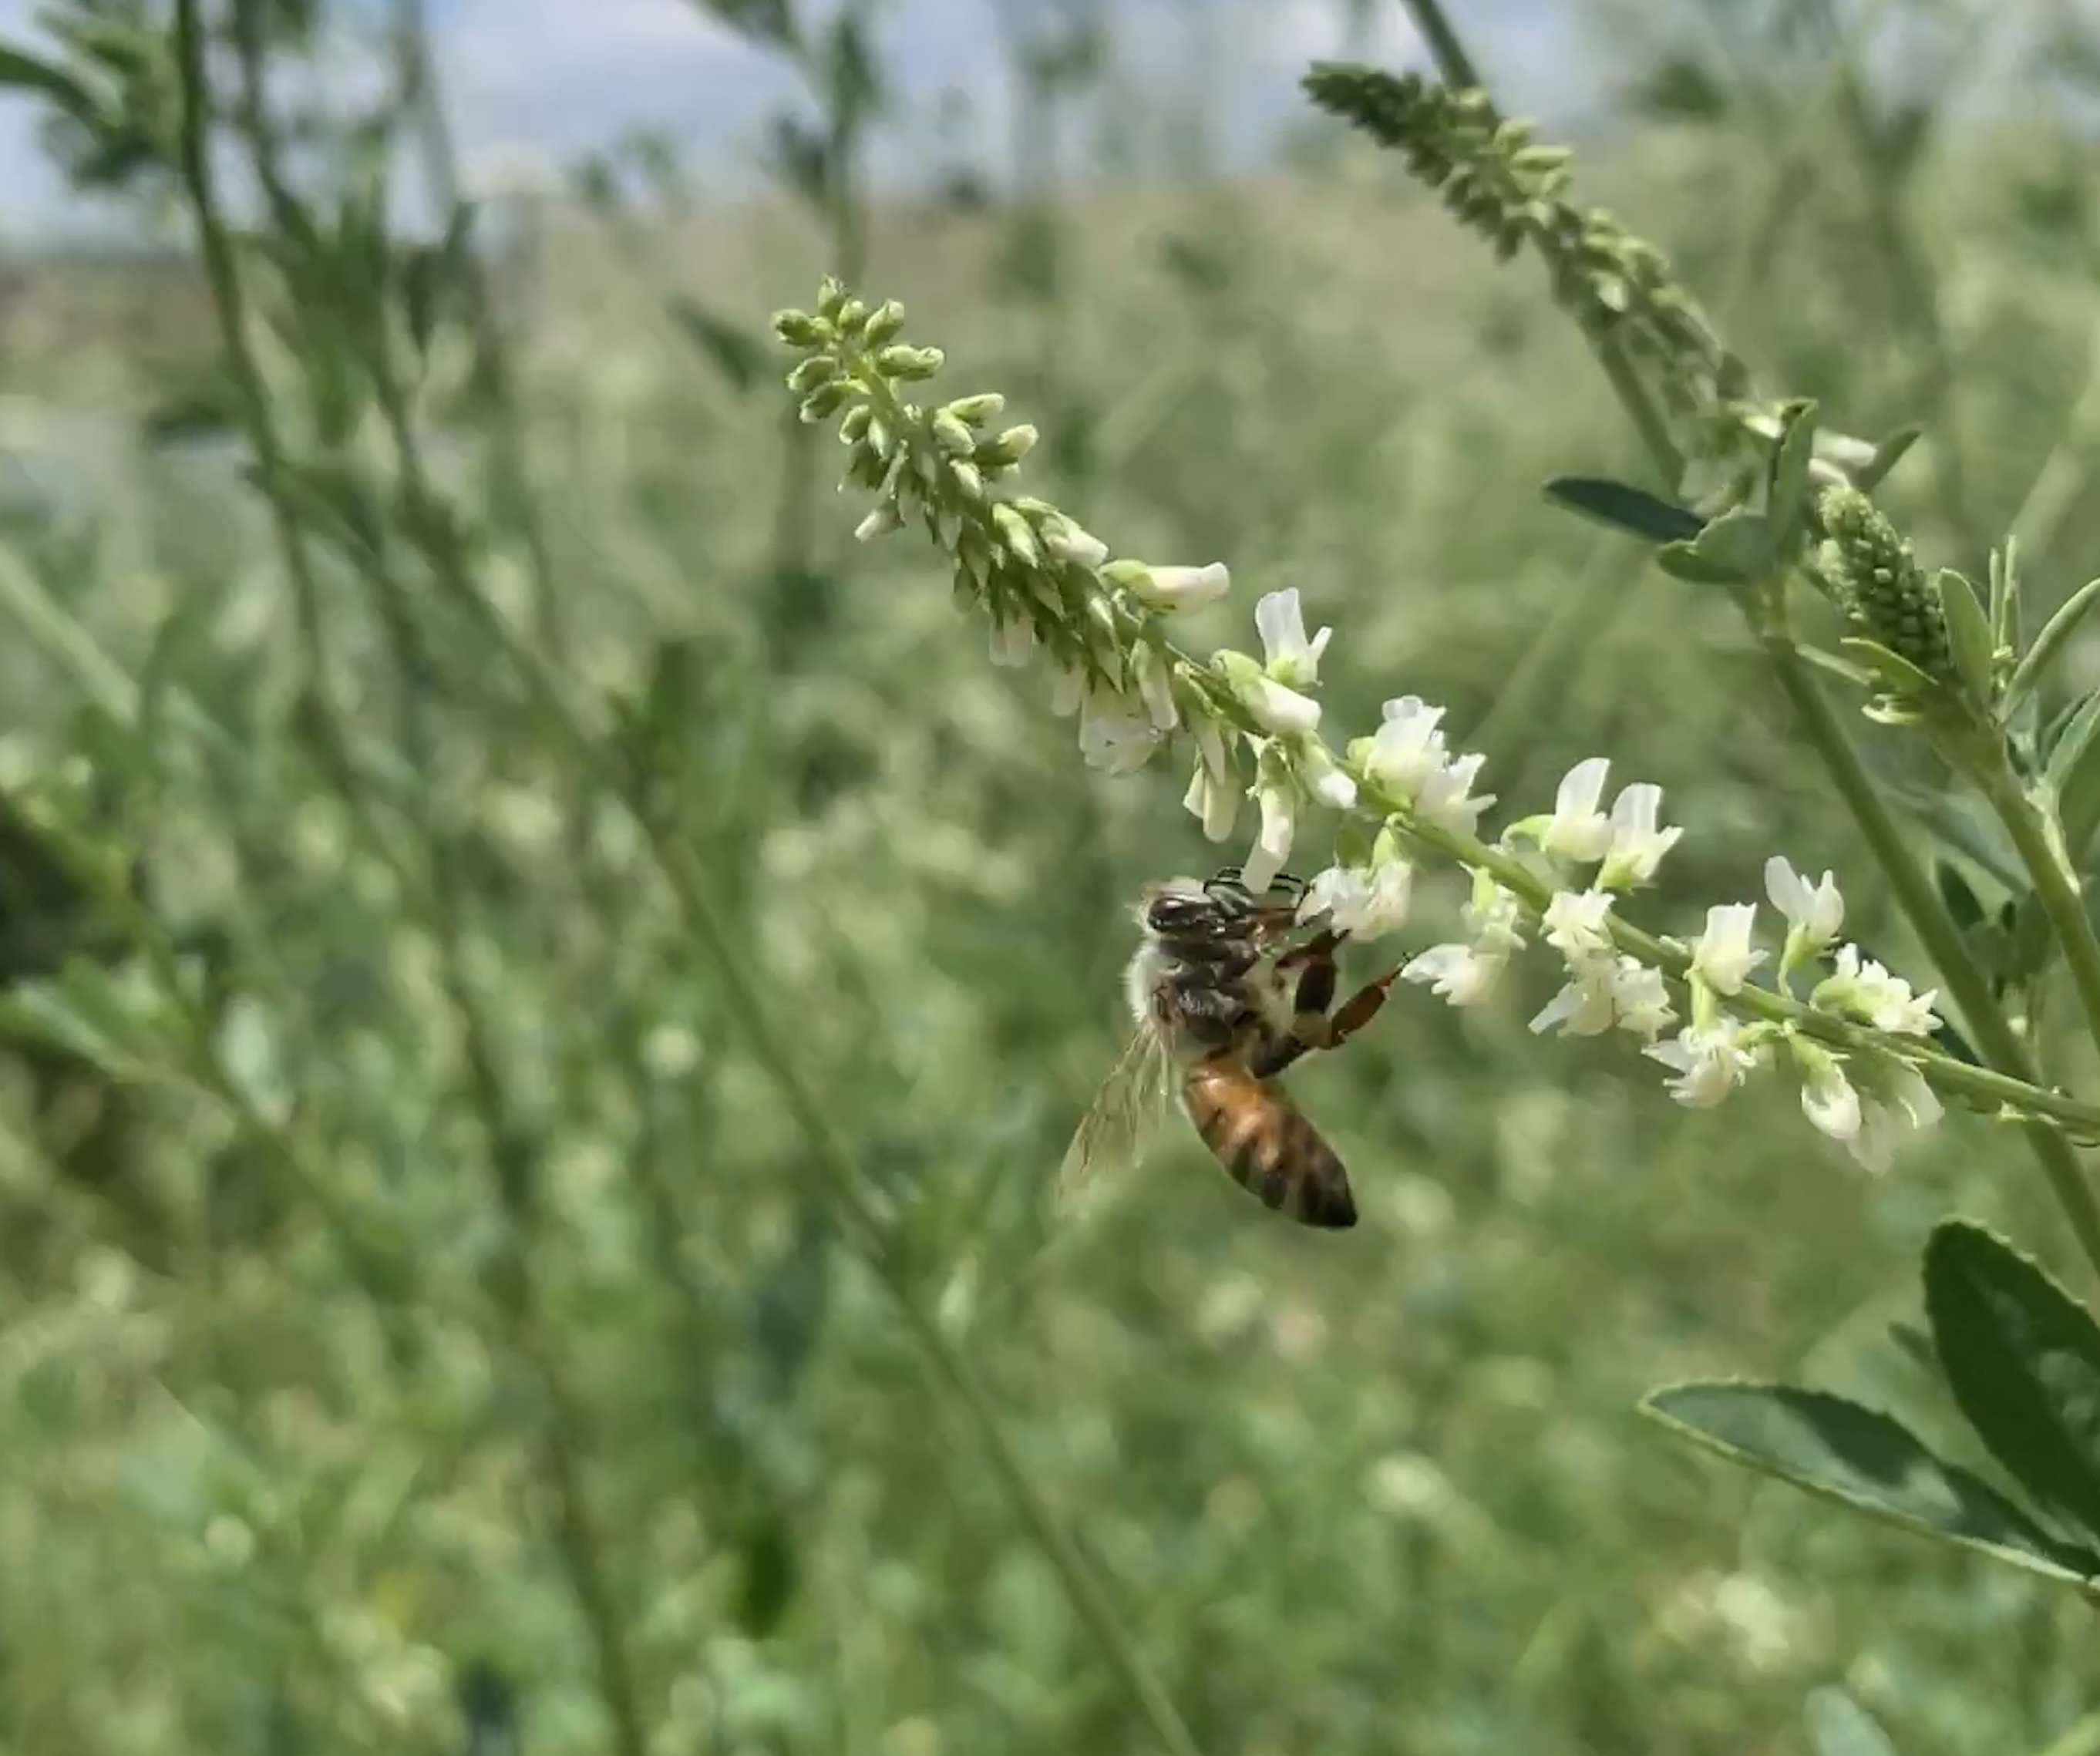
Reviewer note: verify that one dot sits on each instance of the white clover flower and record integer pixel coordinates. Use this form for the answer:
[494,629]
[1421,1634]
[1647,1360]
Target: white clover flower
[1288,656]
[1638,845]
[1466,974]
[1276,797]
[1858,984]
[1587,1006]
[1213,795]
[1366,902]
[1813,915]
[1176,588]
[1577,829]
[1827,1097]
[1901,1107]
[1494,918]
[1112,738]
[1155,686]
[1576,924]
[1463,974]
[1068,541]
[1447,801]
[1322,777]
[1724,957]
[1408,750]
[1068,690]
[1215,803]
[1709,1061]
[1641,998]
[1013,642]
[879,524]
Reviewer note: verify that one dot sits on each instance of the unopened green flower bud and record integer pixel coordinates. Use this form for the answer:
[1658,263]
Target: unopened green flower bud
[968,479]
[853,428]
[953,436]
[852,318]
[824,402]
[879,523]
[818,369]
[1881,585]
[1013,530]
[975,411]
[831,298]
[902,360]
[882,323]
[798,329]
[1008,448]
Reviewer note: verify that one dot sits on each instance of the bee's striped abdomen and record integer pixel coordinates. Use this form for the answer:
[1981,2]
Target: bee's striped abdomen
[1268,1144]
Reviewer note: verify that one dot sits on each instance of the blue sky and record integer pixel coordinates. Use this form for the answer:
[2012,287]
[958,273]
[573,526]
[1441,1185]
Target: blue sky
[536,82]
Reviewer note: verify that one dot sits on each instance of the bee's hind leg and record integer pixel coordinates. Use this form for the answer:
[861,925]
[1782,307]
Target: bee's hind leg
[1315,1023]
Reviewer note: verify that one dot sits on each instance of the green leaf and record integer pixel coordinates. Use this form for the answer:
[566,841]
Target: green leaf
[1894,673]
[1840,1451]
[1737,549]
[1887,455]
[24,71]
[2022,1359]
[1969,633]
[1839,1726]
[1837,665]
[2050,642]
[2005,595]
[2071,771]
[1954,891]
[736,353]
[1788,497]
[1962,824]
[1633,510]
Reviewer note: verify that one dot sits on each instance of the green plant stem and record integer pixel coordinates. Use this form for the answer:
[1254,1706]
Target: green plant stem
[866,1216]
[1985,1020]
[2054,884]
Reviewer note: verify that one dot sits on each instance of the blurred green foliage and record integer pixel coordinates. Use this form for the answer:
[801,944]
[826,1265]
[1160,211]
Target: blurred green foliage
[1386,1492]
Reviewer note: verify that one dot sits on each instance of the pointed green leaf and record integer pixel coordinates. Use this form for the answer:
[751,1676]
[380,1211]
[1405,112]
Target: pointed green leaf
[1789,474]
[1955,893]
[1969,633]
[1624,508]
[735,352]
[1842,1452]
[2071,771]
[24,71]
[1963,825]
[2050,642]
[1896,673]
[2022,1359]
[2006,622]
[1837,665]
[1887,455]
[1737,549]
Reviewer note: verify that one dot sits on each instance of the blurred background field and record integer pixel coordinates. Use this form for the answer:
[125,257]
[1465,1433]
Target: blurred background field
[1384,1492]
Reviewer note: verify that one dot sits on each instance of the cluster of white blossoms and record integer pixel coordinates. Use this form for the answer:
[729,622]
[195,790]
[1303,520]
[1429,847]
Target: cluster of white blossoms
[1048,586]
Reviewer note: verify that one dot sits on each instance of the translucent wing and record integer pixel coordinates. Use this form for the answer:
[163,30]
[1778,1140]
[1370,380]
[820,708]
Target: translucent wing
[1126,1114]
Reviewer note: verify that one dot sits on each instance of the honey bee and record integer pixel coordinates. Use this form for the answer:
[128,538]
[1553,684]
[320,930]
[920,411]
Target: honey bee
[1224,1003]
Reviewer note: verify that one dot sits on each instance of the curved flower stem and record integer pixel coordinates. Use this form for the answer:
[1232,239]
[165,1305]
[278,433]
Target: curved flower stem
[1985,1020]
[2042,853]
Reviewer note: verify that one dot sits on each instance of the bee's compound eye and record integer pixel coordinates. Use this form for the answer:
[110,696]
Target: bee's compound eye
[1173,912]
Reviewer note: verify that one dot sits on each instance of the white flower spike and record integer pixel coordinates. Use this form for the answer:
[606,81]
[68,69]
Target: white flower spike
[1364,903]
[1724,957]
[1707,1060]
[1638,842]
[1813,914]
[1289,657]
[1577,829]
[1179,588]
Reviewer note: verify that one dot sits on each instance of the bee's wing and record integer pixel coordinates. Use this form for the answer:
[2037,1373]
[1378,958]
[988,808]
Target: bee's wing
[1125,1114]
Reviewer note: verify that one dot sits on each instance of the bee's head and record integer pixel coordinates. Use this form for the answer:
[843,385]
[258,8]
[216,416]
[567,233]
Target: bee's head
[1178,906]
